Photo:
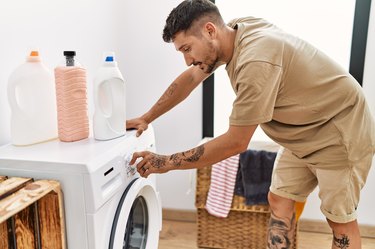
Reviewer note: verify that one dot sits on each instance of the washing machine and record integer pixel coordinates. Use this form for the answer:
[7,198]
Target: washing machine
[106,203]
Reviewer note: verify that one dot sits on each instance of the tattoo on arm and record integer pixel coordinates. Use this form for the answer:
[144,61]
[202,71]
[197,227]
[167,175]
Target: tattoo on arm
[190,156]
[169,92]
[158,161]
[176,160]
[280,232]
[342,243]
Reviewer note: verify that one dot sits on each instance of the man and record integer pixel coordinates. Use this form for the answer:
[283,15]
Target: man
[301,99]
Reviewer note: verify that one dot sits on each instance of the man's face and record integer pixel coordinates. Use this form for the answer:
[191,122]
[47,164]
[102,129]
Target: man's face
[197,50]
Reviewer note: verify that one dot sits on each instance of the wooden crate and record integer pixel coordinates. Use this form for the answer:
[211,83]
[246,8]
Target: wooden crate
[31,214]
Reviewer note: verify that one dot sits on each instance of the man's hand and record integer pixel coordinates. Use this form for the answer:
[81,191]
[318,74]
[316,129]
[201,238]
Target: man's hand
[140,124]
[150,163]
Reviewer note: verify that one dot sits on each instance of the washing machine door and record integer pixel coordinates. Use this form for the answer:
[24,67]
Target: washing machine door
[137,220]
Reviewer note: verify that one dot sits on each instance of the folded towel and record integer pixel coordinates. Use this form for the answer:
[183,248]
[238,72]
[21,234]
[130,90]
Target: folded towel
[254,176]
[220,193]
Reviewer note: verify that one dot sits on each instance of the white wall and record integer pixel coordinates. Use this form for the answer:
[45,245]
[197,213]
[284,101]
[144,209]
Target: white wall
[87,26]
[329,28]
[133,29]
[369,74]
[319,22]
[149,66]
[367,204]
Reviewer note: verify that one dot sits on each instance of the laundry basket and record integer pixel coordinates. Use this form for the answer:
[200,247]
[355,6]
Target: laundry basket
[245,227]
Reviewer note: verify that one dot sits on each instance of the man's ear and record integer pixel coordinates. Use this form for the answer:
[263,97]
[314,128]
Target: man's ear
[210,29]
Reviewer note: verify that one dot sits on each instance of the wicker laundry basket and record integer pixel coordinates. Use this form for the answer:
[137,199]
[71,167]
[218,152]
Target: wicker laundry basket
[245,227]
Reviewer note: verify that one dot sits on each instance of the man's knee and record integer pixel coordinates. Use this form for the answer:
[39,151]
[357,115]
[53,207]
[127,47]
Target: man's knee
[280,206]
[345,234]
[343,227]
[281,227]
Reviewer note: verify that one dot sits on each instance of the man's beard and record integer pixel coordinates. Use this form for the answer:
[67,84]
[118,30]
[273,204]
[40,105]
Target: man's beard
[214,63]
[212,66]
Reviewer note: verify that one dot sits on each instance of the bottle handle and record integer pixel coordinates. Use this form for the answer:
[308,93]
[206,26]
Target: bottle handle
[96,98]
[13,99]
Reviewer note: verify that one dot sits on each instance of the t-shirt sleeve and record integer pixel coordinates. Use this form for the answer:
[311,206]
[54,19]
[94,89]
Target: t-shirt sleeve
[257,85]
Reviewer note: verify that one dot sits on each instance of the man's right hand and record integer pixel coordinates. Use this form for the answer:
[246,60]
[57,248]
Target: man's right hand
[140,124]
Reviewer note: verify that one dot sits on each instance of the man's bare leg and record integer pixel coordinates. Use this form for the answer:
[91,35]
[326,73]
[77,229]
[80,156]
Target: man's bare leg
[345,235]
[282,223]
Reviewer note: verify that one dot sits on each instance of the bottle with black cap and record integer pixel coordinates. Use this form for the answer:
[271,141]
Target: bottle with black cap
[69,58]
[71,95]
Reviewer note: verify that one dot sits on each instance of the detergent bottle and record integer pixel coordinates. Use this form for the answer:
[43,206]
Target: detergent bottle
[32,101]
[71,95]
[109,120]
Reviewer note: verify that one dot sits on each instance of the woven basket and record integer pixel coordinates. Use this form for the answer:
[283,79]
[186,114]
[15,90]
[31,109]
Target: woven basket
[245,227]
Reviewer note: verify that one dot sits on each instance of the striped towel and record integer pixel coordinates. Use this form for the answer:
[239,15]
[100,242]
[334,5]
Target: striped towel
[223,180]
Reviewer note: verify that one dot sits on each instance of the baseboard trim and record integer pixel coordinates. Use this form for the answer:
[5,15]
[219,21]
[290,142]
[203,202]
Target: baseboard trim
[180,215]
[305,225]
[318,226]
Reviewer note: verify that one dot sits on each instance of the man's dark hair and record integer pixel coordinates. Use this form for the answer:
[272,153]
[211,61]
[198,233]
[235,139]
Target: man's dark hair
[182,17]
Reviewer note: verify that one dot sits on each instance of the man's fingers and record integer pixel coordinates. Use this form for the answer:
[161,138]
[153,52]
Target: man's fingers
[144,170]
[144,167]
[139,132]
[141,166]
[137,155]
[130,124]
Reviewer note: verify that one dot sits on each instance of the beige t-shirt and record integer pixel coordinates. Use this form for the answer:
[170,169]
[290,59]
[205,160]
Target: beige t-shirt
[301,98]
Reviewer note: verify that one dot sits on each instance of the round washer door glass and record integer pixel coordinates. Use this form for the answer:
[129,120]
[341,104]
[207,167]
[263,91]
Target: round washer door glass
[137,226]
[137,220]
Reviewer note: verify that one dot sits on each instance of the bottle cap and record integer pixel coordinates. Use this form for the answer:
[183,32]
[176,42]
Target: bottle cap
[34,53]
[33,56]
[69,58]
[69,53]
[109,58]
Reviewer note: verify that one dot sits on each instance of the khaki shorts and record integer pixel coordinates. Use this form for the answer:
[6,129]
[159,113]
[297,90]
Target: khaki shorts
[340,180]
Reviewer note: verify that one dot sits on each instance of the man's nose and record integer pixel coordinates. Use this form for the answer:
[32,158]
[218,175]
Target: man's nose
[188,60]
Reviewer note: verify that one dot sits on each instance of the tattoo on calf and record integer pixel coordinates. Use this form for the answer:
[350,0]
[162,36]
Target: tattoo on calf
[280,232]
[190,156]
[342,243]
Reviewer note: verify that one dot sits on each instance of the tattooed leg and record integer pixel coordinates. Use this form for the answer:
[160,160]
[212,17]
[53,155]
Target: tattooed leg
[341,242]
[345,235]
[280,232]
[282,222]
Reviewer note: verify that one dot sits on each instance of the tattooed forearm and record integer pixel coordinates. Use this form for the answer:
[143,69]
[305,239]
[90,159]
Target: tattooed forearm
[169,92]
[176,160]
[280,232]
[342,243]
[190,156]
[158,161]
[193,155]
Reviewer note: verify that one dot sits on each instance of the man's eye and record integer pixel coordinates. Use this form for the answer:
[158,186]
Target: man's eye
[187,49]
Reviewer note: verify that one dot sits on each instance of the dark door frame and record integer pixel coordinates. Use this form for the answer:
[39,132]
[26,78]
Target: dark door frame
[356,67]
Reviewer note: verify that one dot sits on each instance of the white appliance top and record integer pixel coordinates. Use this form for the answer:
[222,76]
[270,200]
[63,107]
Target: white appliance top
[83,156]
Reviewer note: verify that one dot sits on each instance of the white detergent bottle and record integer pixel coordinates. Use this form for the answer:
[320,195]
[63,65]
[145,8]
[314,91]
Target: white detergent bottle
[109,120]
[32,100]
